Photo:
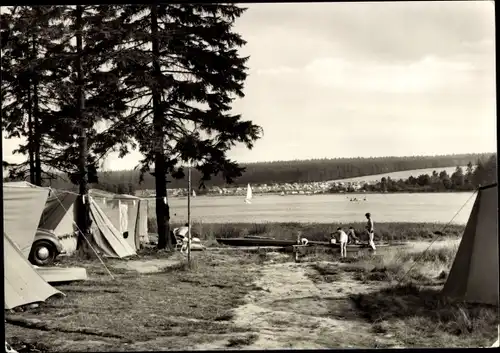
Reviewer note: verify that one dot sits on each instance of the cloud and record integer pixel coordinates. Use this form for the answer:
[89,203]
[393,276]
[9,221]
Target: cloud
[430,73]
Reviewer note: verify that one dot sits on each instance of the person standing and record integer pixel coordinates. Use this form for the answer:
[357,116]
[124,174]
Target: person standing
[343,238]
[370,230]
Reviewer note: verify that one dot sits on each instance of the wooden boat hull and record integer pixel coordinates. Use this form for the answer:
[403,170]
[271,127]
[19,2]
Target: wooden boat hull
[255,242]
[258,241]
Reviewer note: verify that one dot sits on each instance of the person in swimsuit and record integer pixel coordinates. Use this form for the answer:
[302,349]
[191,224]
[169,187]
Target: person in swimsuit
[353,239]
[343,238]
[370,230]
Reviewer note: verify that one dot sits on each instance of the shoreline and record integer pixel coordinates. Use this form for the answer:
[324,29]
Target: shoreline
[354,193]
[384,231]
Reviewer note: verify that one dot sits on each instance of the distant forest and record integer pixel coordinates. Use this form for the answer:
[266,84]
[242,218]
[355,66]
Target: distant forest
[127,181]
[460,180]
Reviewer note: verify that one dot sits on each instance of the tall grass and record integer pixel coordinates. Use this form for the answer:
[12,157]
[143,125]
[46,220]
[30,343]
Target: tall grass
[408,304]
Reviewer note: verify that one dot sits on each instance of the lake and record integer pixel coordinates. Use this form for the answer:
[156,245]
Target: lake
[325,208]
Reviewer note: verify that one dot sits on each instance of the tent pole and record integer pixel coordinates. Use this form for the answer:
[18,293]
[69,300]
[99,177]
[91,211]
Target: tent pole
[189,215]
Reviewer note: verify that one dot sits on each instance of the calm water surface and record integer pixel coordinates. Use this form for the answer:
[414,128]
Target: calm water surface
[428,207]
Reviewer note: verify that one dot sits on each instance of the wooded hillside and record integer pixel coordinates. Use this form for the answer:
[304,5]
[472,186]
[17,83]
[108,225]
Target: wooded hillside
[127,181]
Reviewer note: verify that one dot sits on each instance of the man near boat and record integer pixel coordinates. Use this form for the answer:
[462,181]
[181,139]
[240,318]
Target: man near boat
[370,230]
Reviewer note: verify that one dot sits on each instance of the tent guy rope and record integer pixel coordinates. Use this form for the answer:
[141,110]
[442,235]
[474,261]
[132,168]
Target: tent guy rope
[439,235]
[84,236]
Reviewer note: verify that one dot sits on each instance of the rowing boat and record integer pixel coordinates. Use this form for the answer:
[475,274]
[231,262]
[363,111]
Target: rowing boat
[262,241]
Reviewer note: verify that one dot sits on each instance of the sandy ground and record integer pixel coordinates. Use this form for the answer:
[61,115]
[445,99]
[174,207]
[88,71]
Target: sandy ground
[291,311]
[147,266]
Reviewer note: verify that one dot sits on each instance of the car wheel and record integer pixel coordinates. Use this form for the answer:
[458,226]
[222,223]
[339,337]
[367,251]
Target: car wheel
[43,253]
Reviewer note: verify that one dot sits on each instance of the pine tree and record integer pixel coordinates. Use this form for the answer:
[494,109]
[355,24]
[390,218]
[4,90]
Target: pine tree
[192,73]
[26,86]
[92,94]
[75,84]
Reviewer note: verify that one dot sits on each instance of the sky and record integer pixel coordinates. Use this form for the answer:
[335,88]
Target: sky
[330,80]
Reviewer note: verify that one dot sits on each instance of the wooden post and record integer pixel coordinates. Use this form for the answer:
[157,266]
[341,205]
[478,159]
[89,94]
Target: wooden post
[296,248]
[189,215]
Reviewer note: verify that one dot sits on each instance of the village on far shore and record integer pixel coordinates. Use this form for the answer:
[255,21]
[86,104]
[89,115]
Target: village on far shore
[321,187]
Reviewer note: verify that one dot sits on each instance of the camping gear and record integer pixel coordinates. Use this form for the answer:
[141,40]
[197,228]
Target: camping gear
[474,274]
[182,241]
[23,206]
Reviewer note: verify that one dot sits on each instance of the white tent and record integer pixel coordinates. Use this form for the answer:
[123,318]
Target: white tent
[127,213]
[474,274]
[23,205]
[59,216]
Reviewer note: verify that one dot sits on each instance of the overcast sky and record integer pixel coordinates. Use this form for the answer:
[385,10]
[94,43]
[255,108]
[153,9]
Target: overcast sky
[365,79]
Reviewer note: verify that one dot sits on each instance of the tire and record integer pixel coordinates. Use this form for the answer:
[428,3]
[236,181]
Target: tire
[39,261]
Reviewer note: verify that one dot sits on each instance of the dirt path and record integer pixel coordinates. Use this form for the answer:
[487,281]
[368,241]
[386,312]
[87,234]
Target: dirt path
[293,312]
[147,266]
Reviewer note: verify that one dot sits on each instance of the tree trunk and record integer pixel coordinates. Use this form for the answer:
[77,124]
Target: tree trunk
[83,209]
[162,209]
[36,127]
[30,135]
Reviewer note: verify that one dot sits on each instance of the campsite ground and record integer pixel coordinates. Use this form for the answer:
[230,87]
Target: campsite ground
[257,300]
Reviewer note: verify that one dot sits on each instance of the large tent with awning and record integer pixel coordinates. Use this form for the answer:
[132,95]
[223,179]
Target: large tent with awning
[23,206]
[59,216]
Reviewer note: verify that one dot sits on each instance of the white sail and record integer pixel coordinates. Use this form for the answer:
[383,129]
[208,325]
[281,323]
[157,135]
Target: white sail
[249,194]
[194,193]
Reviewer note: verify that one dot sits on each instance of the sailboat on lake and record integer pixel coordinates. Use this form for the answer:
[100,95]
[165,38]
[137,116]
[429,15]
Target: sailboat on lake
[248,199]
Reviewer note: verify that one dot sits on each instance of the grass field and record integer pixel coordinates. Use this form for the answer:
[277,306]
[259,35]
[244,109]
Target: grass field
[172,309]
[316,231]
[237,299]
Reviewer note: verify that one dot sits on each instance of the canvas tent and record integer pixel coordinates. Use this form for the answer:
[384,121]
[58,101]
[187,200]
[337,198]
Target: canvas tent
[22,284]
[127,213]
[23,205]
[59,216]
[474,274]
